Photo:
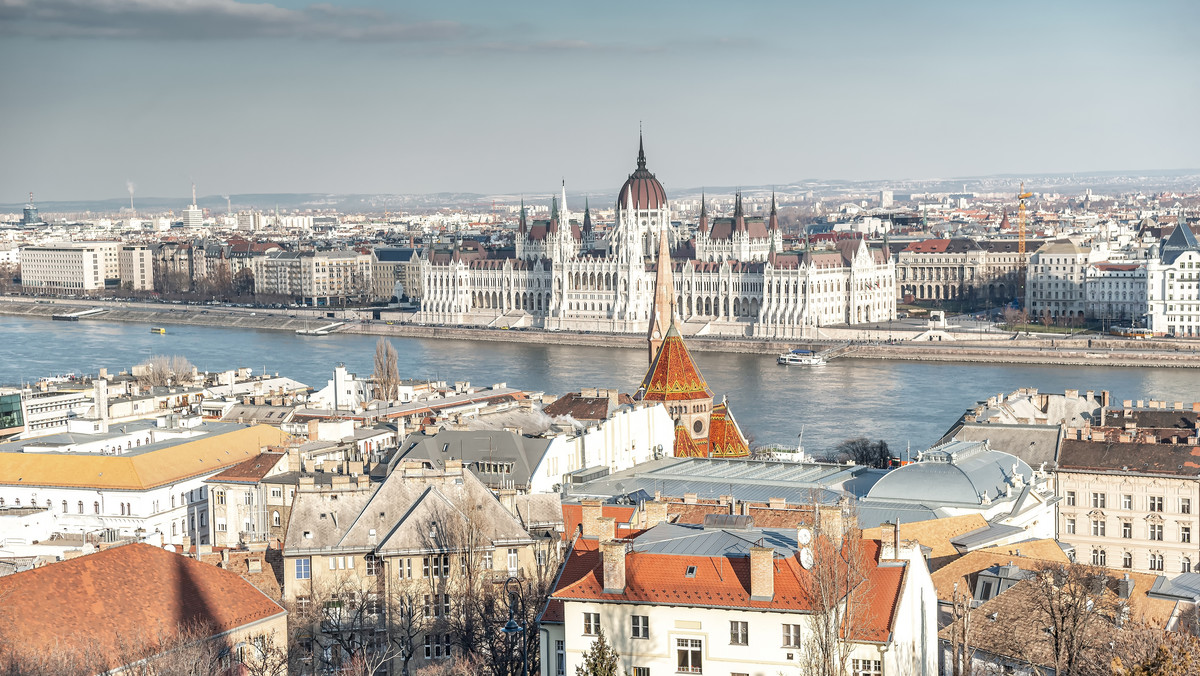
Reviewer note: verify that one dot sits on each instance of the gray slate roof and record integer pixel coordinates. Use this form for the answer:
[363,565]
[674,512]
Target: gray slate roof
[477,446]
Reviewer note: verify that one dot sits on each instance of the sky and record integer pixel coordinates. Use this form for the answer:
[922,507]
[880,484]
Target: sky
[371,96]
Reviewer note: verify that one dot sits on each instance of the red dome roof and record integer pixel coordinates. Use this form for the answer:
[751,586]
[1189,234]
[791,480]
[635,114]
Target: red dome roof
[646,191]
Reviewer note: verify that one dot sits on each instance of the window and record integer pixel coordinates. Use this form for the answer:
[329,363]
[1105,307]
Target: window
[96,507]
[1099,557]
[1070,526]
[1127,530]
[1126,502]
[791,636]
[1127,560]
[688,652]
[81,506]
[64,506]
[304,568]
[1156,531]
[591,624]
[641,671]
[1185,505]
[219,496]
[560,658]
[641,626]
[1099,500]
[275,521]
[512,561]
[1156,503]
[1185,533]
[1156,562]
[867,667]
[1187,565]
[1070,498]
[1098,527]
[739,633]
[487,560]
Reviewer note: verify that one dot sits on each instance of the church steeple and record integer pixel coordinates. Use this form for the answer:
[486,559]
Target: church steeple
[739,221]
[702,227]
[773,223]
[522,227]
[662,315]
[587,216]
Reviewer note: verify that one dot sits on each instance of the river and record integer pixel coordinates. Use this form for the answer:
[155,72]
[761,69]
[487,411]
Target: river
[902,403]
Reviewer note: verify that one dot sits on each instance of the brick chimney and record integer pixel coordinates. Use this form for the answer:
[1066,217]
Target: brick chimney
[606,527]
[762,573]
[777,503]
[592,511]
[654,512]
[612,554]
[312,430]
[888,540]
[830,522]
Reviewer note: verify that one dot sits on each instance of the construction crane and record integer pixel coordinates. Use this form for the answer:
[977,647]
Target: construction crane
[1021,222]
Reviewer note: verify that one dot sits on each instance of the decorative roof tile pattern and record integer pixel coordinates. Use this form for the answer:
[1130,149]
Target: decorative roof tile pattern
[686,446]
[725,438]
[673,376]
[127,593]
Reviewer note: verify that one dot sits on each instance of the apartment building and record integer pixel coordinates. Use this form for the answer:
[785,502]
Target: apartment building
[1116,291]
[1130,491]
[314,277]
[1055,285]
[1173,283]
[69,267]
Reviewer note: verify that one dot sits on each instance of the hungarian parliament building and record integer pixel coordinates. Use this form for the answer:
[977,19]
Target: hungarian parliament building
[731,275]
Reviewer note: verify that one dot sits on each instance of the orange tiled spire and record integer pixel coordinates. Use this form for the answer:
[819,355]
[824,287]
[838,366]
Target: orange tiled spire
[673,375]
[725,438]
[686,446]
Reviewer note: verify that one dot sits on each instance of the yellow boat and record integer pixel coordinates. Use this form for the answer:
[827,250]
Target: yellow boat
[158,330]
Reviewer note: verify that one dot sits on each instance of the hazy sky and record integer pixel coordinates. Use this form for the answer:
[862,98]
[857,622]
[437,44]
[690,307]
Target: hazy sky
[375,96]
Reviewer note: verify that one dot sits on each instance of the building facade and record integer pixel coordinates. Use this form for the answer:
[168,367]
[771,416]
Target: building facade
[1055,285]
[733,277]
[1173,284]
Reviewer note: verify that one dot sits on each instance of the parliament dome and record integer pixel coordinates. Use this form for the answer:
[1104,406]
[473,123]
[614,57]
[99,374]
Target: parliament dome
[645,190]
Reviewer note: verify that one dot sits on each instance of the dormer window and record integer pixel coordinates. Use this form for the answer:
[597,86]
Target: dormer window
[690,572]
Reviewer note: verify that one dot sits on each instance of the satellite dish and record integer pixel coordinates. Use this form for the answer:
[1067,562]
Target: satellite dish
[806,558]
[804,536]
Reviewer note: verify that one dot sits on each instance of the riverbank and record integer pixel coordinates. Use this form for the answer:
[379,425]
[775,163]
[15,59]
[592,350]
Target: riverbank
[1003,349]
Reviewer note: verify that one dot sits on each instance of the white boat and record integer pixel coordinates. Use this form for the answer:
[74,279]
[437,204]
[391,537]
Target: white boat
[800,358]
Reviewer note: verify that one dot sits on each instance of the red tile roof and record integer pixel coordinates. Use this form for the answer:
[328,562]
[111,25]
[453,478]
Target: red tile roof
[724,582]
[725,439]
[673,376]
[250,471]
[928,246]
[133,592]
[686,446]
[573,518]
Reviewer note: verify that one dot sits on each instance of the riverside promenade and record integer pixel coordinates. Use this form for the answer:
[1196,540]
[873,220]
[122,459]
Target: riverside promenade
[894,344]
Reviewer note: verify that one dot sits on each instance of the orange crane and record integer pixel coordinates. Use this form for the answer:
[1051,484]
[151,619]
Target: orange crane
[1021,222]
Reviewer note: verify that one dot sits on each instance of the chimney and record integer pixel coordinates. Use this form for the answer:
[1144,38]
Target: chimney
[187,544]
[508,498]
[888,540]
[293,460]
[606,527]
[1125,587]
[454,467]
[612,554]
[830,522]
[312,430]
[776,503]
[1104,398]
[654,512]
[592,511]
[689,498]
[762,573]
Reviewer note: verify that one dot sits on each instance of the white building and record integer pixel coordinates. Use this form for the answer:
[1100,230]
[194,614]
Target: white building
[82,267]
[138,487]
[1173,283]
[736,280]
[1116,291]
[727,597]
[316,277]
[1055,283]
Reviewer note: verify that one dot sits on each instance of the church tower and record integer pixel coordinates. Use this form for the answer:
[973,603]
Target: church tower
[663,313]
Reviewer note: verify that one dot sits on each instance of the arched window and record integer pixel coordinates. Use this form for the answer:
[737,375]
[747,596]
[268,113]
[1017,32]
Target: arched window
[1187,565]
[96,506]
[81,506]
[172,502]
[174,528]
[275,519]
[64,506]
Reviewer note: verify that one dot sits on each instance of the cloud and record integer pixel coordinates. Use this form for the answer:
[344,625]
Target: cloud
[213,20]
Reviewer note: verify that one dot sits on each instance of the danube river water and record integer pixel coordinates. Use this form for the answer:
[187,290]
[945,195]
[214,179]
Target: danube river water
[903,403]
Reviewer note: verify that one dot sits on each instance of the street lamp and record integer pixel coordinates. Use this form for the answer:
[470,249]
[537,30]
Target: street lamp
[511,629]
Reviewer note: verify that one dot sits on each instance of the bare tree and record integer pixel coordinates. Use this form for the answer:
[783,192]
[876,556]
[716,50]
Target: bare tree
[837,589]
[387,371]
[962,654]
[161,370]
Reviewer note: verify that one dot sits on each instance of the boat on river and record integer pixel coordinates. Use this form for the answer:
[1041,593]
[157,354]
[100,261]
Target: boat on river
[158,329]
[800,358]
